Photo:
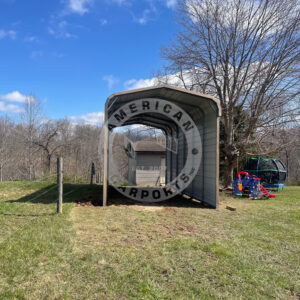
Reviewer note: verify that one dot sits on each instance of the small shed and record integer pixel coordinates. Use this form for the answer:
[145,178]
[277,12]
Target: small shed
[150,163]
[162,107]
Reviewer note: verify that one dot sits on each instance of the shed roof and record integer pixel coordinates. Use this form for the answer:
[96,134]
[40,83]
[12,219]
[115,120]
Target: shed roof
[148,146]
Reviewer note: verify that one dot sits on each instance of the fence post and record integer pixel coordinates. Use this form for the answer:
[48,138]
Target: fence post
[60,184]
[92,173]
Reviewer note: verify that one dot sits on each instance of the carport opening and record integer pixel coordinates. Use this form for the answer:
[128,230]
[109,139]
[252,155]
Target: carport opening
[144,160]
[138,156]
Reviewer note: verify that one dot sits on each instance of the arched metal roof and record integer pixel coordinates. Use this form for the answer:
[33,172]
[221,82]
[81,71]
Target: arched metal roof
[175,94]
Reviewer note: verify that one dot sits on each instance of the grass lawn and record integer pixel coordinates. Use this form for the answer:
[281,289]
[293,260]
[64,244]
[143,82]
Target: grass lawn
[146,252]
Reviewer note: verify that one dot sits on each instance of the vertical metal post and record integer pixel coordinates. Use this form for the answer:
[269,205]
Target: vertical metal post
[60,184]
[106,164]
[92,173]
[217,160]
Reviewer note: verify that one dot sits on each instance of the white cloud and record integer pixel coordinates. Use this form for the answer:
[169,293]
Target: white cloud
[14,97]
[31,39]
[94,118]
[171,3]
[60,30]
[190,78]
[10,108]
[148,14]
[51,31]
[140,83]
[121,2]
[79,6]
[111,80]
[145,17]
[62,24]
[103,21]
[8,33]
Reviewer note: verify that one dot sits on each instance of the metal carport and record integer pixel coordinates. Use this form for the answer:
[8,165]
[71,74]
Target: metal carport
[204,110]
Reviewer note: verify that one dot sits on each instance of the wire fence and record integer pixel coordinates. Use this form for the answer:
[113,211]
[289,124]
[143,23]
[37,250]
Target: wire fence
[20,228]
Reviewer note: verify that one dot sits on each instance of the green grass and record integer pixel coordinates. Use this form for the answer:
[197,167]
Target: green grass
[144,252]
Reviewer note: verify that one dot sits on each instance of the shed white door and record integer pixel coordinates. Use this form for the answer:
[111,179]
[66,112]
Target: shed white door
[148,169]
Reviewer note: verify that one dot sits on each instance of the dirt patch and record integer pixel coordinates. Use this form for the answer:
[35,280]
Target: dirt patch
[88,204]
[146,207]
[87,201]
[117,199]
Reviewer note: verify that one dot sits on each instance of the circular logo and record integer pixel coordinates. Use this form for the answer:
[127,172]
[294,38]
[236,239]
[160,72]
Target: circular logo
[188,150]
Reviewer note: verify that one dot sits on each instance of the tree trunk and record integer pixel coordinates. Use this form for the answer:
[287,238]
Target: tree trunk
[287,163]
[228,174]
[48,164]
[228,149]
[30,172]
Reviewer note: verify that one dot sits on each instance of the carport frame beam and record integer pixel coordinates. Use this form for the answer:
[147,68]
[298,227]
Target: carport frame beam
[106,163]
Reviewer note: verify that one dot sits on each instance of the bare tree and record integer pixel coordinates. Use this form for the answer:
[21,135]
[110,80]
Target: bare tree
[289,152]
[246,53]
[30,119]
[27,148]
[49,142]
[85,149]
[5,143]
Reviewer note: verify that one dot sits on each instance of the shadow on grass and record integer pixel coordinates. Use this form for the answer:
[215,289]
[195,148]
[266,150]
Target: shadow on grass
[86,194]
[71,193]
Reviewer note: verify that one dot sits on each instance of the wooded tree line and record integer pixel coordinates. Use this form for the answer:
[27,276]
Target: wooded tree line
[30,146]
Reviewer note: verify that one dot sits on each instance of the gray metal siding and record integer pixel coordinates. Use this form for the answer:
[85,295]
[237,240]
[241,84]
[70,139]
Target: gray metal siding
[210,154]
[204,186]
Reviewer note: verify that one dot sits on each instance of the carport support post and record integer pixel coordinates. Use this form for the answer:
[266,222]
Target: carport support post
[106,164]
[60,184]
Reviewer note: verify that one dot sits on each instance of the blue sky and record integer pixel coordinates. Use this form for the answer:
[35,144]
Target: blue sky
[72,54]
